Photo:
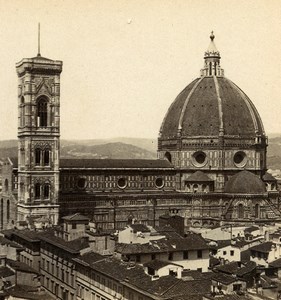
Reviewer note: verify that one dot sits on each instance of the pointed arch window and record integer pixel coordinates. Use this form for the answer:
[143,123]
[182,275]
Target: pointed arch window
[6,185]
[8,210]
[37,191]
[47,157]
[42,112]
[46,191]
[37,156]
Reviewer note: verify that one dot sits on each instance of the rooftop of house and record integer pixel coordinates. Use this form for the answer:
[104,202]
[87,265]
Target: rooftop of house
[139,228]
[236,268]
[28,293]
[134,276]
[26,234]
[5,241]
[76,217]
[190,242]
[73,246]
[266,282]
[276,263]
[89,258]
[20,266]
[6,272]
[189,288]
[223,278]
[251,229]
[263,247]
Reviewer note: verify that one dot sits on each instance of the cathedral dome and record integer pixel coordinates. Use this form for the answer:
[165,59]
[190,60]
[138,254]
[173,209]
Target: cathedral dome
[245,182]
[211,106]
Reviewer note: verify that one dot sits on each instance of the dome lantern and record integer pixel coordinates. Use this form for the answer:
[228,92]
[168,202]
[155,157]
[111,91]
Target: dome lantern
[212,60]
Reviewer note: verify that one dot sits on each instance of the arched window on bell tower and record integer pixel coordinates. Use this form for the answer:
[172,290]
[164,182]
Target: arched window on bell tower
[46,191]
[37,156]
[46,157]
[37,191]
[42,112]
[8,210]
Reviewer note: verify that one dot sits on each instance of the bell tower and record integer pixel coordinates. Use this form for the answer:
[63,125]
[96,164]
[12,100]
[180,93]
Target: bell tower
[38,139]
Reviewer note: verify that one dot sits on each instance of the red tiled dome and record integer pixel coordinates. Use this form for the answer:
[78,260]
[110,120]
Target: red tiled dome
[211,106]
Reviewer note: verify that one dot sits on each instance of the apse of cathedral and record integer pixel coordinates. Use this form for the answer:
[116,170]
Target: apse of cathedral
[211,166]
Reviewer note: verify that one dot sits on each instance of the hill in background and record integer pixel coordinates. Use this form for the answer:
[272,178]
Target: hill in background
[130,148]
[123,148]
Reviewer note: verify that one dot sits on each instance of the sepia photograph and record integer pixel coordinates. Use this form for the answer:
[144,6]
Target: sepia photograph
[140,150]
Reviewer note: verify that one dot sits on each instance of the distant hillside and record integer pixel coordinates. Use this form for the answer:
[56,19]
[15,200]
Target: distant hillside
[110,150]
[127,148]
[138,148]
[274,153]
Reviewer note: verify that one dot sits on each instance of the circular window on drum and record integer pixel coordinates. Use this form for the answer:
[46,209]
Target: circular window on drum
[240,159]
[159,182]
[122,183]
[81,183]
[199,159]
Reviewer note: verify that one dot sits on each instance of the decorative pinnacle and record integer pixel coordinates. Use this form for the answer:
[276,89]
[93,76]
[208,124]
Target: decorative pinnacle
[212,36]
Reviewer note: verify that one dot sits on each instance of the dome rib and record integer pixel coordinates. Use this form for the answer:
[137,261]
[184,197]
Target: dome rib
[186,102]
[221,130]
[211,106]
[253,111]
[172,106]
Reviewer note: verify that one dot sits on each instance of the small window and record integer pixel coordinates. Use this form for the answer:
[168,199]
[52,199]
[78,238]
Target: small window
[6,185]
[199,253]
[185,254]
[240,159]
[74,226]
[46,157]
[170,257]
[37,156]
[46,191]
[199,158]
[42,113]
[8,210]
[231,252]
[81,183]
[122,183]
[37,190]
[224,252]
[159,182]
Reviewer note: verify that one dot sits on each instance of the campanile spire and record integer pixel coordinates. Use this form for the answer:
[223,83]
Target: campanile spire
[212,60]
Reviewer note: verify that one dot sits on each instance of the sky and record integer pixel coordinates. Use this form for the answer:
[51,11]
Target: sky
[124,62]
